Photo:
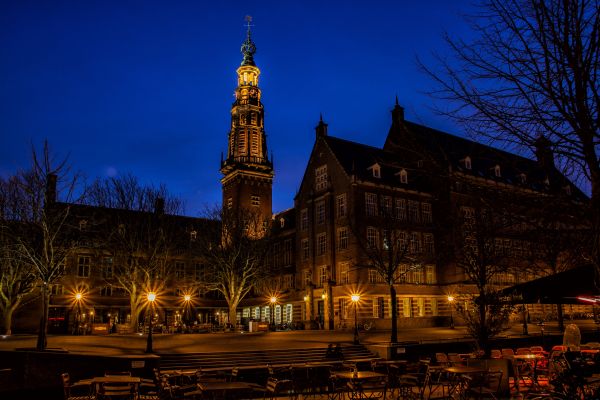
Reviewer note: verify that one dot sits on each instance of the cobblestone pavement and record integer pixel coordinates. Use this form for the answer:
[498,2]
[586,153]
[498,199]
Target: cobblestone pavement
[230,341]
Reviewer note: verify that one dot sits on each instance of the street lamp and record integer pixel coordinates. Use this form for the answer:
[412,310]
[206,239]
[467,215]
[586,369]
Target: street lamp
[355,299]
[151,297]
[78,299]
[187,298]
[273,300]
[451,301]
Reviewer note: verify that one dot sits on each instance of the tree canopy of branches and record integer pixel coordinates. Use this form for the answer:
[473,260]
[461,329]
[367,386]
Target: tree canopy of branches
[533,70]
[235,247]
[139,236]
[39,227]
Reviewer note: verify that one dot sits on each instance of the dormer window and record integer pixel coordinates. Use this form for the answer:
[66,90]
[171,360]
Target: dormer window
[523,178]
[376,170]
[497,172]
[403,176]
[467,162]
[282,222]
[547,181]
[193,235]
[83,224]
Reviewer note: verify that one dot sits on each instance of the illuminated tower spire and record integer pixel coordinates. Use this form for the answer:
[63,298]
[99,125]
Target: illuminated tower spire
[247,171]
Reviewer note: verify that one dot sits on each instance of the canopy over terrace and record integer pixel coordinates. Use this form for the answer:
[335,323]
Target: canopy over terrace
[576,285]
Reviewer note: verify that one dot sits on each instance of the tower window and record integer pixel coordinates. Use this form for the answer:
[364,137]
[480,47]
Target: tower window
[253,118]
[242,143]
[255,200]
[254,143]
[229,203]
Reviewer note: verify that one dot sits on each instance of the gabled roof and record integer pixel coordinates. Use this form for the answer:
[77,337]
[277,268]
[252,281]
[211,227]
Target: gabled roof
[454,149]
[357,159]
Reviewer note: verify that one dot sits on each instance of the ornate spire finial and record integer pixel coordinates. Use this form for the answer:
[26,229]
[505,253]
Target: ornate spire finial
[397,100]
[248,48]
[320,117]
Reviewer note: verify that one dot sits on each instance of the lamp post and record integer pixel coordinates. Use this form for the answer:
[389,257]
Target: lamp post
[451,301]
[78,299]
[151,297]
[273,300]
[355,299]
[187,298]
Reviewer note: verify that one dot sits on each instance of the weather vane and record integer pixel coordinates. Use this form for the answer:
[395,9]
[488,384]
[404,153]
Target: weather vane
[249,21]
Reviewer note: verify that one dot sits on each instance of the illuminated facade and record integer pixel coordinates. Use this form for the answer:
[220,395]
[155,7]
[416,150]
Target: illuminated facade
[247,171]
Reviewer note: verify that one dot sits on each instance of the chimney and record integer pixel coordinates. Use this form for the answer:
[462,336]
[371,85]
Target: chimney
[51,188]
[159,205]
[544,153]
[397,113]
[321,129]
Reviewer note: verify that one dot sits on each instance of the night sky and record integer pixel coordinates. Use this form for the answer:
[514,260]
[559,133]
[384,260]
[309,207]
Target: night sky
[146,87]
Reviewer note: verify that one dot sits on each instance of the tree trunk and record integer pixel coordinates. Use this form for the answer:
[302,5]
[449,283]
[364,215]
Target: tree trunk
[233,315]
[8,320]
[42,340]
[394,313]
[483,329]
[135,315]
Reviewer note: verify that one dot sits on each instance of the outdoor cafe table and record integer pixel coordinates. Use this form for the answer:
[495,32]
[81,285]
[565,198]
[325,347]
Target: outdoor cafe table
[222,390]
[455,371]
[179,376]
[358,377]
[532,359]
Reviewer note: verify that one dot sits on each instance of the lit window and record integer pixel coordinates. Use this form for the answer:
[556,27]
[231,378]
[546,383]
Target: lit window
[497,172]
[57,289]
[344,272]
[401,209]
[370,204]
[372,236]
[413,211]
[467,162]
[430,277]
[386,206]
[304,219]
[376,171]
[230,203]
[193,235]
[323,274]
[255,200]
[342,238]
[340,205]
[83,266]
[242,142]
[415,243]
[320,212]
[321,178]
[428,243]
[343,308]
[107,267]
[305,249]
[403,176]
[426,216]
[321,244]
[253,118]
[307,277]
[179,270]
[375,276]
[378,307]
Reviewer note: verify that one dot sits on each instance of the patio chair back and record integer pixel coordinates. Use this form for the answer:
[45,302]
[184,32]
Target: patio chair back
[523,350]
[507,353]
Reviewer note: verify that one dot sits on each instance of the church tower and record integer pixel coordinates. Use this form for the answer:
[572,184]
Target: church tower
[247,171]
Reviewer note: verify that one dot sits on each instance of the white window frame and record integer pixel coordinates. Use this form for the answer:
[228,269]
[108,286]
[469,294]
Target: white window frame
[321,244]
[321,178]
[370,204]
[340,205]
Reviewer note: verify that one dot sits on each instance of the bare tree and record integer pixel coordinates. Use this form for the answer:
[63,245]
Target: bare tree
[17,277]
[385,247]
[39,227]
[140,236]
[235,247]
[484,258]
[532,71]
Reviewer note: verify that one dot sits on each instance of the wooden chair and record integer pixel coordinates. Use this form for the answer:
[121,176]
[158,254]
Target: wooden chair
[486,385]
[523,350]
[496,353]
[76,391]
[110,391]
[442,359]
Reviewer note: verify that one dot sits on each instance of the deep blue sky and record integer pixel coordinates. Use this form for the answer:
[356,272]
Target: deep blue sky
[146,87]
